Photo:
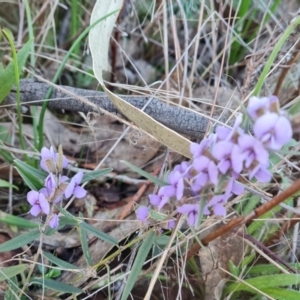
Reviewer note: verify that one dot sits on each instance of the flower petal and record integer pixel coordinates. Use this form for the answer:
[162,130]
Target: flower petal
[54,221]
[154,199]
[142,213]
[78,177]
[79,192]
[70,189]
[44,204]
[33,197]
[35,210]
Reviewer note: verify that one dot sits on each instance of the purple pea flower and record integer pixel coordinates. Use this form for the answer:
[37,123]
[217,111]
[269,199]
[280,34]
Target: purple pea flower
[216,204]
[171,224]
[162,197]
[74,188]
[49,160]
[259,106]
[273,130]
[50,183]
[39,203]
[177,182]
[261,173]
[142,213]
[222,151]
[247,153]
[192,212]
[198,149]
[204,165]
[54,221]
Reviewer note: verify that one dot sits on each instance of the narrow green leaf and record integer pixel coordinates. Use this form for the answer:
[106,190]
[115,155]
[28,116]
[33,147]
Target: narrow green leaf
[16,221]
[95,174]
[12,291]
[282,294]
[7,76]
[20,240]
[56,285]
[145,174]
[7,156]
[59,262]
[265,282]
[85,246]
[33,177]
[9,272]
[63,220]
[6,184]
[67,214]
[233,269]
[138,263]
[248,259]
[99,234]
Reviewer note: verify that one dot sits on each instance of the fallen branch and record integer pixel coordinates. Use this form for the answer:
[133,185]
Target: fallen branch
[179,119]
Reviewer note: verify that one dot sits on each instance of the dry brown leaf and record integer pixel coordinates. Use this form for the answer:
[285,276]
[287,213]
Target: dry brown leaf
[163,134]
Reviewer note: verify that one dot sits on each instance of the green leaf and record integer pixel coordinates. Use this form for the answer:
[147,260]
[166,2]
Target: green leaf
[138,263]
[12,291]
[95,174]
[282,294]
[67,214]
[56,285]
[7,156]
[99,234]
[16,221]
[59,262]
[85,246]
[233,269]
[268,269]
[9,272]
[33,177]
[265,282]
[53,273]
[63,220]
[248,259]
[145,174]
[20,240]
[6,184]
[7,76]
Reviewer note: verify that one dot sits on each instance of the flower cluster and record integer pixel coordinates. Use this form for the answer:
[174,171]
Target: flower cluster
[210,178]
[56,186]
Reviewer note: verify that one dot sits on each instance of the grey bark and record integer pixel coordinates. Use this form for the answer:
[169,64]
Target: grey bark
[178,119]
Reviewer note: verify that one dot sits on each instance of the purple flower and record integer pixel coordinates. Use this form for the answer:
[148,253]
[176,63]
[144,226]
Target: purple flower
[54,221]
[176,180]
[273,130]
[49,160]
[222,151]
[183,168]
[50,183]
[171,224]
[216,204]
[74,188]
[248,153]
[48,190]
[163,196]
[260,173]
[39,203]
[142,213]
[192,211]
[204,165]
[234,187]
[228,134]
[259,106]
[198,149]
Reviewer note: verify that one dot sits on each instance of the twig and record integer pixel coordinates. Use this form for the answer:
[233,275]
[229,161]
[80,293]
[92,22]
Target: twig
[179,119]
[246,219]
